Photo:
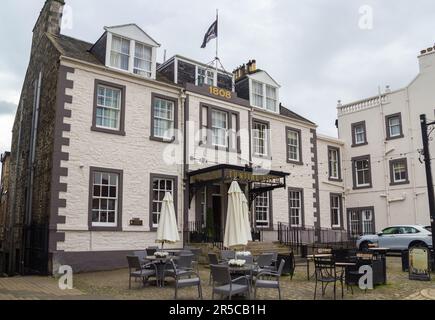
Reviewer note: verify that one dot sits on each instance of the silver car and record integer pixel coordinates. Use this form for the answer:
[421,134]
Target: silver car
[398,238]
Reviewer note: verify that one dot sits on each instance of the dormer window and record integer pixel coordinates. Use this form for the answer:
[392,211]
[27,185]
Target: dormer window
[271,98]
[205,77]
[142,60]
[120,53]
[127,48]
[264,96]
[257,94]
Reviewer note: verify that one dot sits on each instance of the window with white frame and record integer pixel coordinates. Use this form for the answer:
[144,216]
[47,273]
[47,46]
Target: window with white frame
[262,210]
[359,133]
[293,145]
[142,60]
[219,126]
[398,171]
[394,126]
[105,190]
[260,138]
[257,94]
[108,107]
[120,53]
[336,211]
[333,162]
[362,172]
[271,98]
[160,187]
[296,207]
[205,77]
[164,111]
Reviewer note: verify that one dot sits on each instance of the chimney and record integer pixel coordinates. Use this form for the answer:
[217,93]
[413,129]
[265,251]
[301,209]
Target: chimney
[50,20]
[254,65]
[427,59]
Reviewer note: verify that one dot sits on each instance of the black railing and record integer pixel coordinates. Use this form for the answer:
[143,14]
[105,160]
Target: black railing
[198,233]
[301,239]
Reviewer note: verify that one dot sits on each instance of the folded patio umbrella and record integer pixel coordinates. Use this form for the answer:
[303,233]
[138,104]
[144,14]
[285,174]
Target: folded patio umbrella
[167,232]
[237,228]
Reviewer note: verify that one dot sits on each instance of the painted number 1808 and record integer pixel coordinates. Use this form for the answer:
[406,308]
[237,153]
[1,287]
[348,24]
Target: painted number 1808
[220,92]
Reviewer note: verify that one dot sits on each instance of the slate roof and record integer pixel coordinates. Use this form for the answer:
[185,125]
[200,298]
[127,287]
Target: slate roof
[293,115]
[74,48]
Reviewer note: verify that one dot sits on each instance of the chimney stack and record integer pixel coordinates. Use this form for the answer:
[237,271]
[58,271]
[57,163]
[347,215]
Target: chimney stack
[50,20]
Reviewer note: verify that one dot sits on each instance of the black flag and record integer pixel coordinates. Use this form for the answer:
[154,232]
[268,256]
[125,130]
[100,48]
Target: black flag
[212,33]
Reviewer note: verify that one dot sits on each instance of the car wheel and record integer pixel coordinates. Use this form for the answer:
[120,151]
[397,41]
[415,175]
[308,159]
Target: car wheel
[364,246]
[417,244]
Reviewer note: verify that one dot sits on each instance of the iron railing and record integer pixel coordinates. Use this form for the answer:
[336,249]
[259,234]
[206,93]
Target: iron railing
[301,239]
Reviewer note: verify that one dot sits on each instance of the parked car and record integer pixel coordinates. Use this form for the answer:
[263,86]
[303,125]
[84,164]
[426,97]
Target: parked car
[398,238]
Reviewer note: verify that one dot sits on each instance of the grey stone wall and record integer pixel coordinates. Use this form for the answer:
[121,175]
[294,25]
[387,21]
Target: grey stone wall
[45,59]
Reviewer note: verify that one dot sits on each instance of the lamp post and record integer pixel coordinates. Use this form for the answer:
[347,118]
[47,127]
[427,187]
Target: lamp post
[427,162]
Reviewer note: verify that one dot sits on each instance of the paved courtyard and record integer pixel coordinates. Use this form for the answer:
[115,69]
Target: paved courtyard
[114,285]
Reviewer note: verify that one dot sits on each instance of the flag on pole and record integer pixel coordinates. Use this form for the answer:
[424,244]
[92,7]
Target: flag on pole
[212,33]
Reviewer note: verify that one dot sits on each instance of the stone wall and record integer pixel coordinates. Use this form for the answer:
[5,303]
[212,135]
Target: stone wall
[45,59]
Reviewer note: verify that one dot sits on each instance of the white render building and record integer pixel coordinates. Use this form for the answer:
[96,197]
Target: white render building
[385,183]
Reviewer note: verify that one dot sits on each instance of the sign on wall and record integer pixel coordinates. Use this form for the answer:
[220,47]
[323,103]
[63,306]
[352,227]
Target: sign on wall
[419,264]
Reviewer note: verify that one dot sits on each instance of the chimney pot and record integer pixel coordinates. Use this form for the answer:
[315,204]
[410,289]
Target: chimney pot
[429,49]
[422,51]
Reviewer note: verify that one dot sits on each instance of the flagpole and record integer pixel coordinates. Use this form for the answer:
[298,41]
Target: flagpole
[217,43]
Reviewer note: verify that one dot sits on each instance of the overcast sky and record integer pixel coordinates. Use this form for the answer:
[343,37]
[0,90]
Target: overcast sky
[315,49]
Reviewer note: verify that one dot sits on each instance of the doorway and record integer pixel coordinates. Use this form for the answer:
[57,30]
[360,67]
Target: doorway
[217,217]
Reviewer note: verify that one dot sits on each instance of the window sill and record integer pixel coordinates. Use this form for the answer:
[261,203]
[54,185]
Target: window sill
[299,163]
[362,187]
[359,145]
[335,179]
[103,130]
[108,229]
[163,140]
[399,183]
[394,138]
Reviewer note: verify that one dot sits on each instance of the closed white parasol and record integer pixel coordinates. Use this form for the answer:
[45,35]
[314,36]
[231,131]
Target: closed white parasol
[237,228]
[167,232]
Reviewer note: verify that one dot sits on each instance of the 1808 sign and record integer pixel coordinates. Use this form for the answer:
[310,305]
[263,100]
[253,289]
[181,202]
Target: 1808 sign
[220,92]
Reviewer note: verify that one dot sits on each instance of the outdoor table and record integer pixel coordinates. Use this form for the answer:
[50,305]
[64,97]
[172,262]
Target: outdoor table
[160,264]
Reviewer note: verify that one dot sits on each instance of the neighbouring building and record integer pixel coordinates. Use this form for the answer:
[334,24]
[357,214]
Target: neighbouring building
[385,181]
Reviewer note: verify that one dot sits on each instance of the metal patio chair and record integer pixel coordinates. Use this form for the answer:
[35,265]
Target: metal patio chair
[326,273]
[269,283]
[136,270]
[183,278]
[225,286]
[213,259]
[264,261]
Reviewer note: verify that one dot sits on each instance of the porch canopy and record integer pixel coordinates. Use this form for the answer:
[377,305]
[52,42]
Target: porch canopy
[263,180]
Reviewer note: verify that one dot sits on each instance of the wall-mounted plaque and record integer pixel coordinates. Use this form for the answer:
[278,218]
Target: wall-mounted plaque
[419,264]
[136,222]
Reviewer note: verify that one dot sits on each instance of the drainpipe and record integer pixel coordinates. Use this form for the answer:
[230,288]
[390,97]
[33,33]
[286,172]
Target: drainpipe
[186,196]
[385,164]
[11,262]
[411,141]
[31,173]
